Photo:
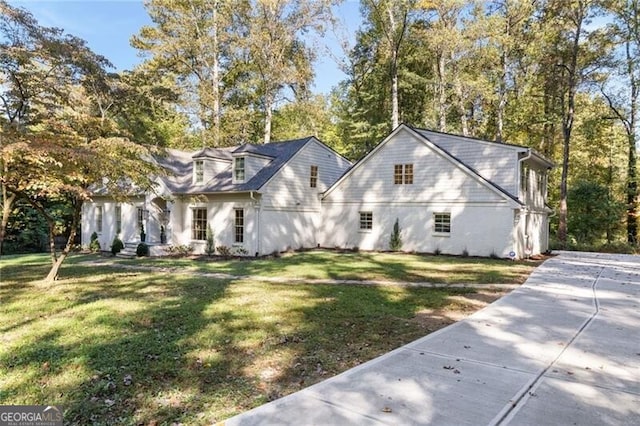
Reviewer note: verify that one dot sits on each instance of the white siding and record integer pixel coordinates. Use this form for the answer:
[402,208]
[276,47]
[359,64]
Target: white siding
[213,167]
[493,161]
[252,165]
[129,231]
[435,178]
[290,188]
[283,230]
[479,229]
[221,218]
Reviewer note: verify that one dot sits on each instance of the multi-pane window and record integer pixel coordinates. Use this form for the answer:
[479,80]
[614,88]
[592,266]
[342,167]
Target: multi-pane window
[239,226]
[366,221]
[238,169]
[198,171]
[313,177]
[397,174]
[442,222]
[402,174]
[99,219]
[199,224]
[118,218]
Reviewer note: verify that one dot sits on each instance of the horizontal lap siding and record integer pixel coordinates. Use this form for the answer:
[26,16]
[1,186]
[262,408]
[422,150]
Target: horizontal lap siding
[436,178]
[494,162]
[290,187]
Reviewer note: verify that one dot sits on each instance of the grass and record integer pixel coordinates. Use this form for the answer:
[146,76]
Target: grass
[321,264]
[116,346]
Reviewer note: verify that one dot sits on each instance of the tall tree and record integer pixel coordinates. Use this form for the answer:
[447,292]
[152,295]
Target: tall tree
[625,103]
[573,62]
[191,41]
[390,19]
[59,138]
[276,54]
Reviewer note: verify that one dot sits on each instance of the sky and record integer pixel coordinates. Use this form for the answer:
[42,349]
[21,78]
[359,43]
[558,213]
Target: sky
[107,26]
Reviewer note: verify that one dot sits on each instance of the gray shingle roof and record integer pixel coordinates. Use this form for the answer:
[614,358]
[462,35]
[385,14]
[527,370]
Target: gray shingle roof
[179,165]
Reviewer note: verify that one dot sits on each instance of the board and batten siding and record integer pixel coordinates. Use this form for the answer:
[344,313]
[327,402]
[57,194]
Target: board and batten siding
[493,161]
[435,178]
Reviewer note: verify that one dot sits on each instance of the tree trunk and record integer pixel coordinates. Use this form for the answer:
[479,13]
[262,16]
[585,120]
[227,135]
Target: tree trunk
[54,272]
[442,93]
[216,78]
[502,98]
[567,122]
[268,115]
[7,206]
[395,115]
[632,180]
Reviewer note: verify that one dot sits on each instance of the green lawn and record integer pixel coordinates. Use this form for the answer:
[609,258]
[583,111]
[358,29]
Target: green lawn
[321,264]
[117,346]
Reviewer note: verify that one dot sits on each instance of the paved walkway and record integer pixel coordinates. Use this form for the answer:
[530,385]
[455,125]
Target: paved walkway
[563,349]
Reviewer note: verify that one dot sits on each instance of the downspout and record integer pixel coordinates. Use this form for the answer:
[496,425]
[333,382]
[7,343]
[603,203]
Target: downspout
[256,206]
[523,210]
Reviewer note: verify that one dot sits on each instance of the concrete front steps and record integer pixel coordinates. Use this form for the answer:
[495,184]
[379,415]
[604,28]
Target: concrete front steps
[155,249]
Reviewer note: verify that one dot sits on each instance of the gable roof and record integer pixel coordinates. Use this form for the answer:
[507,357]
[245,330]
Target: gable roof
[179,164]
[436,137]
[421,137]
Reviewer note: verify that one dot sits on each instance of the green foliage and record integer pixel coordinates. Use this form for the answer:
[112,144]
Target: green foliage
[395,241]
[94,244]
[595,215]
[143,235]
[181,250]
[116,246]
[211,244]
[142,250]
[225,251]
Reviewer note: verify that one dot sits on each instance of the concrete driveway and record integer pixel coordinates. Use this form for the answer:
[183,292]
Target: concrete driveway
[563,349]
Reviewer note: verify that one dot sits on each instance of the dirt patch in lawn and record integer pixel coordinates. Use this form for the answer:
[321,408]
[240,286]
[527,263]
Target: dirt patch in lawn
[461,307]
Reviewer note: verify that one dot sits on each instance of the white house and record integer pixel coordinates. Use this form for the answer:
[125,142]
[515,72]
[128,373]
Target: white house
[256,198]
[448,193]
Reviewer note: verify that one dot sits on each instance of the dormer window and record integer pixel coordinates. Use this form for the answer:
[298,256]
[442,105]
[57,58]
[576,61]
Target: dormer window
[238,169]
[198,171]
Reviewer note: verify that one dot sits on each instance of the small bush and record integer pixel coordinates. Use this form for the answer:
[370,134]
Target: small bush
[224,251]
[395,241]
[437,251]
[94,245]
[211,244]
[181,250]
[116,246]
[240,251]
[355,249]
[142,250]
[465,252]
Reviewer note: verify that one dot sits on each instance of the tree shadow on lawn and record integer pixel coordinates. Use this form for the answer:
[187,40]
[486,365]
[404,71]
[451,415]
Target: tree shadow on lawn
[132,353]
[139,347]
[346,327]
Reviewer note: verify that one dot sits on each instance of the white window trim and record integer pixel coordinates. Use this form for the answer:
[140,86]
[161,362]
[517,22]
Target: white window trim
[440,233]
[244,169]
[100,230]
[192,209]
[360,228]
